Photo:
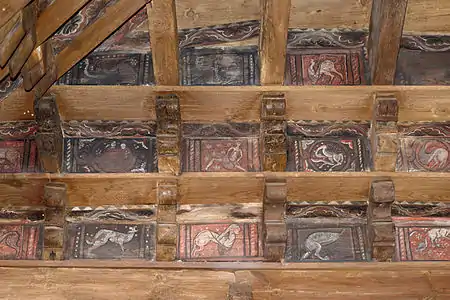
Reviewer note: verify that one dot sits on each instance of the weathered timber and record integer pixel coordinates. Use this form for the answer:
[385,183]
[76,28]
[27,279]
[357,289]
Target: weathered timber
[386,27]
[114,15]
[384,132]
[274,222]
[55,198]
[273,40]
[10,36]
[38,64]
[167,193]
[381,228]
[273,132]
[8,9]
[49,137]
[164,41]
[168,134]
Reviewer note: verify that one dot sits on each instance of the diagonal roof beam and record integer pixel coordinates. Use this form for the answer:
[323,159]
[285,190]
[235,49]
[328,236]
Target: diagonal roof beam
[114,15]
[9,8]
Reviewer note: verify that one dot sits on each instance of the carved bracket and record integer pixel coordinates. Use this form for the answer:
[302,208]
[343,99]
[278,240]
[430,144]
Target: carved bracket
[381,228]
[275,233]
[55,198]
[168,133]
[49,137]
[384,132]
[273,132]
[167,194]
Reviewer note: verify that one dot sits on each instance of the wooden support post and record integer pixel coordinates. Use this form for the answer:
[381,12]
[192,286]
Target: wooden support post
[384,132]
[49,138]
[273,40]
[28,43]
[166,247]
[385,32]
[381,227]
[55,197]
[168,133]
[274,222]
[163,31]
[273,132]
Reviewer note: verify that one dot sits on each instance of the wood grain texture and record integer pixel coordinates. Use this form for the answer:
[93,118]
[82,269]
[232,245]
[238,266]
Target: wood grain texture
[427,17]
[22,190]
[114,16]
[234,104]
[10,36]
[385,32]
[273,40]
[55,15]
[164,40]
[9,8]
[349,281]
[201,188]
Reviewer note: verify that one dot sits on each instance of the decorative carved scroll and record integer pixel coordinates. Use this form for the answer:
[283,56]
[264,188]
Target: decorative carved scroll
[426,43]
[108,129]
[324,38]
[49,138]
[384,132]
[274,222]
[273,132]
[424,129]
[381,228]
[55,197]
[166,248]
[168,133]
[328,128]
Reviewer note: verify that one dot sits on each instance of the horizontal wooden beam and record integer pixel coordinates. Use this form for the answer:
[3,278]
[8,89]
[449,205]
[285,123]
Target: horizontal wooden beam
[56,280]
[219,188]
[236,104]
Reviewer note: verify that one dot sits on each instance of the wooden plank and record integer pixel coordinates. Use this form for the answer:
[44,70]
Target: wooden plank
[427,17]
[18,106]
[386,27]
[10,36]
[55,15]
[113,17]
[353,14]
[9,8]
[273,40]
[221,188]
[3,73]
[164,40]
[22,190]
[195,13]
[313,280]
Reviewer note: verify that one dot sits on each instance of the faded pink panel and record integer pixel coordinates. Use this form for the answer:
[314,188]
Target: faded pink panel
[11,156]
[20,241]
[230,241]
[325,69]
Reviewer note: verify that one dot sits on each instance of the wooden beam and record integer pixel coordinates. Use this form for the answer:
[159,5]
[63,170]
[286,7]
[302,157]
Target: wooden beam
[112,18]
[57,280]
[201,104]
[11,35]
[3,73]
[167,193]
[10,8]
[386,27]
[427,17]
[164,41]
[273,40]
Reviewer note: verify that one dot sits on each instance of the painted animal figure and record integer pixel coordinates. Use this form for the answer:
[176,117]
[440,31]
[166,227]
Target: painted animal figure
[315,241]
[324,157]
[438,158]
[230,160]
[11,240]
[224,241]
[325,67]
[105,235]
[435,235]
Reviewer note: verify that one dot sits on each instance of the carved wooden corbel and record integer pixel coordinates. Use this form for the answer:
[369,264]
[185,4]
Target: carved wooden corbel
[381,227]
[55,197]
[167,193]
[274,219]
[273,132]
[384,132]
[168,133]
[49,138]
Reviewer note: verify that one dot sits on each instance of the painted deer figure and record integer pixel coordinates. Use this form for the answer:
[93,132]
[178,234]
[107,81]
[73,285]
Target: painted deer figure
[224,241]
[325,67]
[327,158]
[316,240]
[434,234]
[105,235]
[11,239]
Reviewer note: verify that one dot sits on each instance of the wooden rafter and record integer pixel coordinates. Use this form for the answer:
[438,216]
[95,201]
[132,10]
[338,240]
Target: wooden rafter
[113,17]
[9,8]
[386,27]
[273,40]
[164,41]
